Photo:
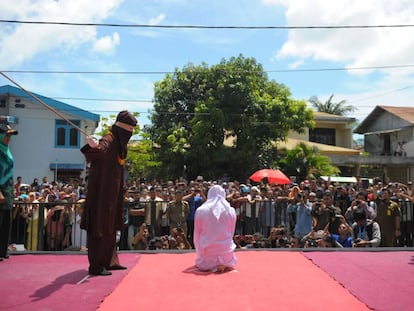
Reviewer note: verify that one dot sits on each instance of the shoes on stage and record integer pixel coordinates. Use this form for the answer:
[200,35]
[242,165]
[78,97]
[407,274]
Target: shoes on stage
[7,256]
[1,259]
[104,272]
[116,267]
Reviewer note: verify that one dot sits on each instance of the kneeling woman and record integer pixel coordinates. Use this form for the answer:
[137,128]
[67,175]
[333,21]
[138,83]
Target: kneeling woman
[214,225]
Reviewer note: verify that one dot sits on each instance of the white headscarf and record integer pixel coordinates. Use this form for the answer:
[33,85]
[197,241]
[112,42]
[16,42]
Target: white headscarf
[216,201]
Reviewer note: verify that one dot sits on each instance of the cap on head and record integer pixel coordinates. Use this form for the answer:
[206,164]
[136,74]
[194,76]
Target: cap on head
[254,188]
[7,129]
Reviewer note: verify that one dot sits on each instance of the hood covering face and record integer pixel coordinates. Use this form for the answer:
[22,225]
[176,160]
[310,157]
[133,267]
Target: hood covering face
[122,130]
[216,201]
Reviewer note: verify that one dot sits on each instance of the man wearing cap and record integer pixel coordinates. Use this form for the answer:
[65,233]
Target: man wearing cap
[6,187]
[103,214]
[388,218]
[177,212]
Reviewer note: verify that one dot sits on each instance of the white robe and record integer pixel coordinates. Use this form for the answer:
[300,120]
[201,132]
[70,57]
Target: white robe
[214,226]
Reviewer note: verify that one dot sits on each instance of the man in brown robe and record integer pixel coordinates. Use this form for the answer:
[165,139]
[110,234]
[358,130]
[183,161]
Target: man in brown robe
[103,214]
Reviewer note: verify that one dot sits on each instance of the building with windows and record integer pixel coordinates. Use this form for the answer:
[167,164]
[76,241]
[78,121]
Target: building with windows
[389,140]
[332,135]
[46,145]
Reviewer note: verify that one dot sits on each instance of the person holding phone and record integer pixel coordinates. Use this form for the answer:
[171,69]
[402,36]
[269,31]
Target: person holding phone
[302,208]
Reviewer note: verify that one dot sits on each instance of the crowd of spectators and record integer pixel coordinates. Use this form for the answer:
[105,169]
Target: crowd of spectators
[160,214]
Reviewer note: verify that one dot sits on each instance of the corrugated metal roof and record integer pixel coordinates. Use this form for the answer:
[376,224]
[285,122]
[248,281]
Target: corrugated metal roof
[404,113]
[323,116]
[324,149]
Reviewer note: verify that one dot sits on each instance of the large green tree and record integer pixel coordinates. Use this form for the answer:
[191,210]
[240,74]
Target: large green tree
[337,108]
[141,158]
[197,108]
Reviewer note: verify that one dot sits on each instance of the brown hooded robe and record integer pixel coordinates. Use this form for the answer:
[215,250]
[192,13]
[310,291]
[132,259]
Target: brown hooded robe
[103,214]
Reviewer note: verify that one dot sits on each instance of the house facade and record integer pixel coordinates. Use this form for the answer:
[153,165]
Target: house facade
[331,130]
[389,140]
[332,135]
[47,146]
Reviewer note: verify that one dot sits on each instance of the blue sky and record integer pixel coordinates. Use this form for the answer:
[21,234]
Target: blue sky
[28,47]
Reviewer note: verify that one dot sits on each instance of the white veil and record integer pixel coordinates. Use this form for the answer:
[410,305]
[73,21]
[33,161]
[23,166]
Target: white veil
[216,201]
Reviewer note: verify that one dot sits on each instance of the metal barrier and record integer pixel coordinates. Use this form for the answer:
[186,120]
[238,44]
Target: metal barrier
[407,224]
[56,226]
[46,227]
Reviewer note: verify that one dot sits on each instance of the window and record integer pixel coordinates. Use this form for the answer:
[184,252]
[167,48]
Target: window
[323,136]
[66,135]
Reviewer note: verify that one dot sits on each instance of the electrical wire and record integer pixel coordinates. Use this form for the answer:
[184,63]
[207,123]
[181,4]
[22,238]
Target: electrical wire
[204,26]
[44,104]
[171,72]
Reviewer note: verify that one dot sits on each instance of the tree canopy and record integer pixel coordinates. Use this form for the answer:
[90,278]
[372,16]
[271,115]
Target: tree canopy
[340,108]
[306,163]
[140,159]
[199,108]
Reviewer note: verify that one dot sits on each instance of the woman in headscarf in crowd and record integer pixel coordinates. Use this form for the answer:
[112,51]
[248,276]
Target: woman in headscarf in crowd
[103,213]
[33,222]
[214,226]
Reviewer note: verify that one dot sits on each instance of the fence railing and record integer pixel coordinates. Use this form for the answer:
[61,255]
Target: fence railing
[56,226]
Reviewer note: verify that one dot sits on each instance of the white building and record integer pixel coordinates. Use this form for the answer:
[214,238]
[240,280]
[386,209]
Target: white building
[46,145]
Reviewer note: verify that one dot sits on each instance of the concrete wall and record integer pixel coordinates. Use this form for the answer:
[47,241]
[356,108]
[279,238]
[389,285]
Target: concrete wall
[34,148]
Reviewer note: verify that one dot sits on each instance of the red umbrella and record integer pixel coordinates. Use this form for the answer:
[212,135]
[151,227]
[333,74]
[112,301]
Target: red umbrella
[273,176]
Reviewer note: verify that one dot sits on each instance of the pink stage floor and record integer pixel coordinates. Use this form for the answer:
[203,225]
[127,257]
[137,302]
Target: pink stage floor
[263,280]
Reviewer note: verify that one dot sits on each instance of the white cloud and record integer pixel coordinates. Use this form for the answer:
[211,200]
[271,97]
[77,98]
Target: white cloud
[296,64]
[107,44]
[353,47]
[22,42]
[157,20]
[349,48]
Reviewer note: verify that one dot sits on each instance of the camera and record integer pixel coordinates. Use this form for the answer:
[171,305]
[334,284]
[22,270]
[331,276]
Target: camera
[280,232]
[281,242]
[312,243]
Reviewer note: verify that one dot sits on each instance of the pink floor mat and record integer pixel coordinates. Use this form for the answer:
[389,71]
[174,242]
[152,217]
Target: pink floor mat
[55,282]
[383,280]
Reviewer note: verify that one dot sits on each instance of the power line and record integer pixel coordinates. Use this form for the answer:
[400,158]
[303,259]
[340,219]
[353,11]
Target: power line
[381,94]
[203,26]
[105,99]
[90,72]
[137,101]
[171,72]
[173,113]
[342,68]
